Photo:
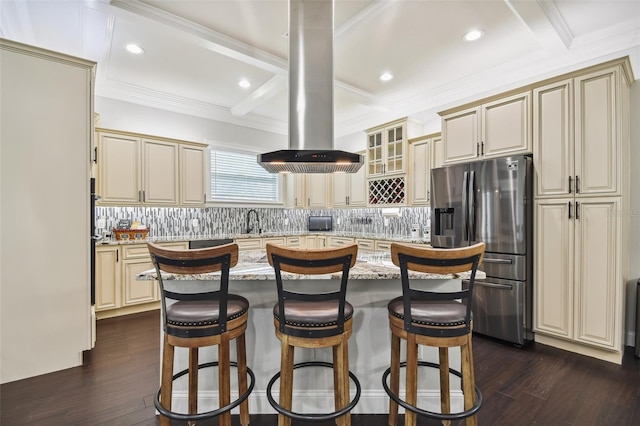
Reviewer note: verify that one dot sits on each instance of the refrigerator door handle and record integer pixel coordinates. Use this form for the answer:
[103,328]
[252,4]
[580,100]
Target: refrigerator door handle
[465,207]
[471,214]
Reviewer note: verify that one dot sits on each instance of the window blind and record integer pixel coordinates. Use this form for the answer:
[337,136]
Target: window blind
[236,176]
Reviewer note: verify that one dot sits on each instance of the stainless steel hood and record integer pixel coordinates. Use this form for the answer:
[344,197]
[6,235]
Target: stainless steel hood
[311,96]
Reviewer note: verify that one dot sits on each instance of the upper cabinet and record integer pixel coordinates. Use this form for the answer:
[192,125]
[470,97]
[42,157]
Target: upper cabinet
[306,190]
[144,170]
[387,162]
[387,147]
[576,135]
[492,129]
[422,154]
[349,189]
[192,172]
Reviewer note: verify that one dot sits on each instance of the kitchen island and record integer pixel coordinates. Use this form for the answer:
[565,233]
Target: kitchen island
[373,281]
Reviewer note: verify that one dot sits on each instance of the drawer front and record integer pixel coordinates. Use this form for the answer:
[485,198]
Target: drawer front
[295,242]
[339,241]
[383,246]
[274,240]
[249,244]
[365,244]
[137,251]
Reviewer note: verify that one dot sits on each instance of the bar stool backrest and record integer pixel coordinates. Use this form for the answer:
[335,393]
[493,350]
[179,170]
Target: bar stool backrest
[436,261]
[312,262]
[198,261]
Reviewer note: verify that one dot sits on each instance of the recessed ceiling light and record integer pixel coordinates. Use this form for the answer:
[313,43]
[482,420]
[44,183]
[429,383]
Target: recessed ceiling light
[473,35]
[244,83]
[386,76]
[135,49]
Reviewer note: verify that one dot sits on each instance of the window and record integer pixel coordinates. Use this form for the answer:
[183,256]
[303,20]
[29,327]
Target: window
[236,176]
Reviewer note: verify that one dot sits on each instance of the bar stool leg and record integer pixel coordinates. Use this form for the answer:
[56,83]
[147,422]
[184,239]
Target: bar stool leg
[412,379]
[241,350]
[445,397]
[468,380]
[341,379]
[286,379]
[167,380]
[224,380]
[394,380]
[193,382]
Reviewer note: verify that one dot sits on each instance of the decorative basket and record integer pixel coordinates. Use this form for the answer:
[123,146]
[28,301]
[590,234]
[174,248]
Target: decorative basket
[131,234]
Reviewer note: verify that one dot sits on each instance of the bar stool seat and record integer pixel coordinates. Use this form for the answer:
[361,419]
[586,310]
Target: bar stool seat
[198,318]
[313,320]
[433,318]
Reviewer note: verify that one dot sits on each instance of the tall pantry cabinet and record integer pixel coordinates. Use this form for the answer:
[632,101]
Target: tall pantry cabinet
[46,110]
[581,156]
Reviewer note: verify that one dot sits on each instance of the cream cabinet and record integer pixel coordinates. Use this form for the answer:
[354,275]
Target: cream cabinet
[438,152]
[307,190]
[339,241]
[492,129]
[365,244]
[387,147]
[107,278]
[581,160]
[578,291]
[421,154]
[249,243]
[192,175]
[315,241]
[137,169]
[349,189]
[118,291]
[576,131]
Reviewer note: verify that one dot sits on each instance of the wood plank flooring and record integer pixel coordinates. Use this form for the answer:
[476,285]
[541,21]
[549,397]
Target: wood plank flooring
[537,385]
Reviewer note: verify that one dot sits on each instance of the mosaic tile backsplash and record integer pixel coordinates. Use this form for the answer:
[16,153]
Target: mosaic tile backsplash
[198,222]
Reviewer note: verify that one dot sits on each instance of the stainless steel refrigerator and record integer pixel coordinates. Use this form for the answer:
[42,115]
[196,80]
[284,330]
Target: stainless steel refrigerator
[491,201]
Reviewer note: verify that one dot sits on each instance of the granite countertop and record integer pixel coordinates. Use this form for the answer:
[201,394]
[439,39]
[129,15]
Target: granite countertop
[179,238]
[253,265]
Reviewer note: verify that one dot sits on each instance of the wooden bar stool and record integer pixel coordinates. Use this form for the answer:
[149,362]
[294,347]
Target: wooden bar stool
[195,319]
[313,320]
[439,319]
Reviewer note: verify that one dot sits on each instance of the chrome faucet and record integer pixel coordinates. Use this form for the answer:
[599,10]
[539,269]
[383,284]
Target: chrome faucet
[249,229]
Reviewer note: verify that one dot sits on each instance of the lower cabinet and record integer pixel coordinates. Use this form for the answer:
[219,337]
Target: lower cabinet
[118,292]
[107,278]
[578,271]
[339,241]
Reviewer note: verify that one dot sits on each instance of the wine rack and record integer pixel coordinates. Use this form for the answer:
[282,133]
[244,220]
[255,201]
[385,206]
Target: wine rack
[387,191]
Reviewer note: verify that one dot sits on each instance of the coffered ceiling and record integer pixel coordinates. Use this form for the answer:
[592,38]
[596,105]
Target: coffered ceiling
[195,52]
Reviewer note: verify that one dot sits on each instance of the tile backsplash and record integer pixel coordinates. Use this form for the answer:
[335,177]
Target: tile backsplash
[177,222]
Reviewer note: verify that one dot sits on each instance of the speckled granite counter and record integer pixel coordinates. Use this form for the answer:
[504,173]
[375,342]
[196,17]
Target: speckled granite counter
[372,236]
[253,266]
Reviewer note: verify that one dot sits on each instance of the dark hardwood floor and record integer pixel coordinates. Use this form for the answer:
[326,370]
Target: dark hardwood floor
[537,385]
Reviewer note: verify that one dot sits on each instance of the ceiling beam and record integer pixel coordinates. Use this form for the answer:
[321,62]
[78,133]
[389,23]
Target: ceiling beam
[545,22]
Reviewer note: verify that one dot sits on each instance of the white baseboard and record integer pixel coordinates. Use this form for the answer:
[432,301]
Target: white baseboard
[310,401]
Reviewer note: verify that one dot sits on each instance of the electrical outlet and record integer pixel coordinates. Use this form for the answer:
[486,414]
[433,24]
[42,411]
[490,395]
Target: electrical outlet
[337,221]
[102,223]
[286,221]
[195,223]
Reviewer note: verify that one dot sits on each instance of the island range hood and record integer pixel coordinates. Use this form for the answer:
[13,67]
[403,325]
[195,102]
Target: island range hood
[311,96]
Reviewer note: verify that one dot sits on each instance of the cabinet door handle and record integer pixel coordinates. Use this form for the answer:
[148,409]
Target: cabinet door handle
[95,155]
[577,210]
[577,184]
[570,180]
[117,255]
[428,196]
[295,201]
[477,149]
[569,209]
[482,148]
[139,196]
[144,196]
[347,200]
